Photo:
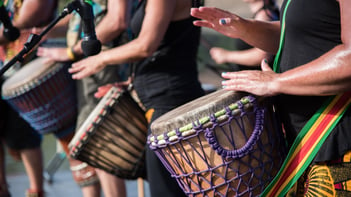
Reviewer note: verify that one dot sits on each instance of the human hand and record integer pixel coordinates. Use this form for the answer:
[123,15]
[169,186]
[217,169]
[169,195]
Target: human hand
[102,90]
[219,20]
[261,83]
[219,55]
[86,67]
[58,54]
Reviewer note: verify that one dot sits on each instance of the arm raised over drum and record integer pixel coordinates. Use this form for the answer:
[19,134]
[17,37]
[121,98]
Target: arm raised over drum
[260,34]
[158,15]
[329,74]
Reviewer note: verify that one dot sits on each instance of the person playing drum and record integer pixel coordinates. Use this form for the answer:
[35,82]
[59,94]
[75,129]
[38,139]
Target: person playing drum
[311,82]
[112,17]
[22,141]
[164,52]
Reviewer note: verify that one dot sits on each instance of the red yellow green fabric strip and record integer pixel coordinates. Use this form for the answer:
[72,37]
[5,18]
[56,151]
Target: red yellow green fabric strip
[307,144]
[281,42]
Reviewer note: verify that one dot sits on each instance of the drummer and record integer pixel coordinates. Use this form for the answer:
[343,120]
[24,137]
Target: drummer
[164,51]
[110,30]
[310,79]
[23,143]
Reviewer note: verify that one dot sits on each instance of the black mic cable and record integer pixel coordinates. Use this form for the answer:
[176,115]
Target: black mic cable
[10,32]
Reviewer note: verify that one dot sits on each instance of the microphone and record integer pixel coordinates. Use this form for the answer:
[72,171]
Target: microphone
[90,44]
[10,32]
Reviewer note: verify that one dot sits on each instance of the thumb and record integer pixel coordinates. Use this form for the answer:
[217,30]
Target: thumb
[265,66]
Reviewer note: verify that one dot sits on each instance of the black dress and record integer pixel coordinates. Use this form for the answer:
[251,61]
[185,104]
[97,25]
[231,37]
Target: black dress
[164,81]
[312,29]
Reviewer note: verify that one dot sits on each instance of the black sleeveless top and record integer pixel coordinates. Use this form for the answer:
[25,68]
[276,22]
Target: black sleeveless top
[172,70]
[312,29]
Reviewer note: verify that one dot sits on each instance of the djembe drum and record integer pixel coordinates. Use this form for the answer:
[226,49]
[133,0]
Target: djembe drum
[222,144]
[44,94]
[113,137]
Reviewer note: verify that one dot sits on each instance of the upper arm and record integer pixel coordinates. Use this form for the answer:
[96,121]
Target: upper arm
[158,15]
[35,13]
[118,12]
[114,22]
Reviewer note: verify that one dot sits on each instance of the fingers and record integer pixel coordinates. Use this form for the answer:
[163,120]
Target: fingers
[209,16]
[265,66]
[203,24]
[224,21]
[102,90]
[77,70]
[234,83]
[41,51]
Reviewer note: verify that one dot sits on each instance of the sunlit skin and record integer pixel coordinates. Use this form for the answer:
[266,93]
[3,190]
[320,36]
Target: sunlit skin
[327,75]
[141,47]
[246,57]
[33,13]
[116,20]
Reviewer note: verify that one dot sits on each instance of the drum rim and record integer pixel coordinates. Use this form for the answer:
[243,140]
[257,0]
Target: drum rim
[93,120]
[28,84]
[188,130]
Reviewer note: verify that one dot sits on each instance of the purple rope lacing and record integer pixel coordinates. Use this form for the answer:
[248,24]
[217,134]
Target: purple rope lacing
[238,153]
[192,179]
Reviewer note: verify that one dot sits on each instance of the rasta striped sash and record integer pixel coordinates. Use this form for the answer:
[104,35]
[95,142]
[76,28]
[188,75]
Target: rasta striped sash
[310,138]
[307,144]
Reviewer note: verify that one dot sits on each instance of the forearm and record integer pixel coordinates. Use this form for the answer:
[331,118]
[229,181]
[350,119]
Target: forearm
[261,34]
[328,75]
[249,57]
[130,52]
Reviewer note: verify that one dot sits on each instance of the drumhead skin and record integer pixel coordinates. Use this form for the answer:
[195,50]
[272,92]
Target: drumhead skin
[44,94]
[27,77]
[190,112]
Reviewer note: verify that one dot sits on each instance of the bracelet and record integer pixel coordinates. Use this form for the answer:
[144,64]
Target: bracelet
[71,54]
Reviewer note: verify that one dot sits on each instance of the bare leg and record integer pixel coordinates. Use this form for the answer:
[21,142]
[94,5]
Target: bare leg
[3,183]
[84,175]
[33,163]
[112,186]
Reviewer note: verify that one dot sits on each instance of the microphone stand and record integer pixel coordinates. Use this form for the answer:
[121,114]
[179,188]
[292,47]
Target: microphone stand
[34,39]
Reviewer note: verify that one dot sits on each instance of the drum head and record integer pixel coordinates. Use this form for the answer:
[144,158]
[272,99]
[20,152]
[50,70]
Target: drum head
[29,75]
[194,110]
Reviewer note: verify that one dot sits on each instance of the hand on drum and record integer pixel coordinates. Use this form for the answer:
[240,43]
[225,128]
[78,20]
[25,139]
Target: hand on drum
[217,19]
[261,83]
[58,54]
[86,67]
[102,90]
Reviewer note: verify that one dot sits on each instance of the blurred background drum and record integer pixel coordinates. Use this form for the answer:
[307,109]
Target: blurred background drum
[113,137]
[44,94]
[222,144]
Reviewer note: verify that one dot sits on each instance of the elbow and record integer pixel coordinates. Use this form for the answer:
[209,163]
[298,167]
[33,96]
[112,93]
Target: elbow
[146,50]
[120,26]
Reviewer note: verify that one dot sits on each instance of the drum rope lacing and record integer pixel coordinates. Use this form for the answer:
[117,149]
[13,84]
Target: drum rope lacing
[104,120]
[212,121]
